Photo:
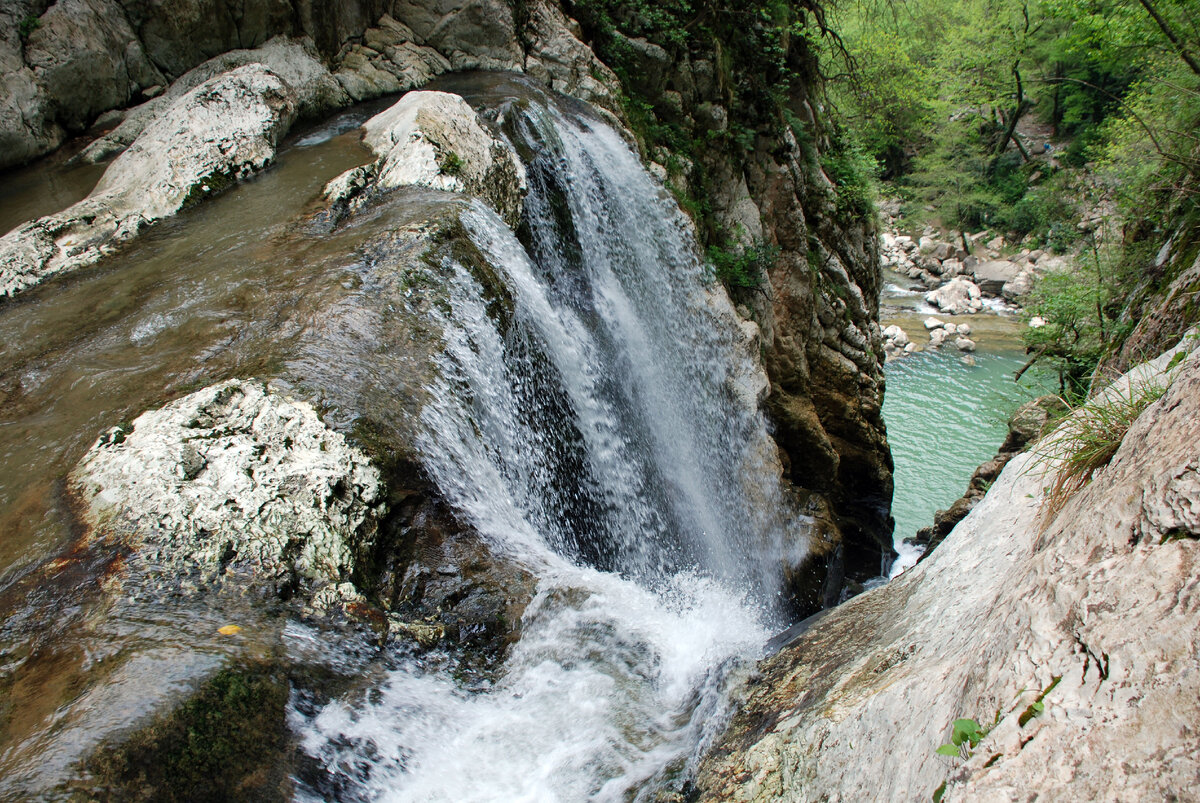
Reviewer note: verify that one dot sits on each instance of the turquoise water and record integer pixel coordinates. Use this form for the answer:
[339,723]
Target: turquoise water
[945,416]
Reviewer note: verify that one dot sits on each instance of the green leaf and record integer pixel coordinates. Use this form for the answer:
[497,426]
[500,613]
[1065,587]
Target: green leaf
[1178,358]
[966,730]
[937,793]
[1038,706]
[948,750]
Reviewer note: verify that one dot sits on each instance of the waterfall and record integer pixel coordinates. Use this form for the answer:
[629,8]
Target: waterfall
[605,433]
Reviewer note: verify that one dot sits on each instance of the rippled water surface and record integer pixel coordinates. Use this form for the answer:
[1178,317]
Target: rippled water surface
[945,412]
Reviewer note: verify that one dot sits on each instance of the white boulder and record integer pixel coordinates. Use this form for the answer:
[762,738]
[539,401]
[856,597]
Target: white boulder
[233,477]
[222,131]
[435,139]
[957,297]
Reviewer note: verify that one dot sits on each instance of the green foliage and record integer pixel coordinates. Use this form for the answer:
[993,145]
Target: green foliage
[745,267]
[965,736]
[854,173]
[452,164]
[27,26]
[1080,314]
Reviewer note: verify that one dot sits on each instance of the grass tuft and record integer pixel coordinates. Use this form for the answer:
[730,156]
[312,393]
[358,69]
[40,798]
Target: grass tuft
[1087,440]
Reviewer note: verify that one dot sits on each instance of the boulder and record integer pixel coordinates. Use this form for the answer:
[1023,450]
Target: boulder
[963,328]
[435,139]
[992,275]
[234,478]
[294,61]
[952,268]
[220,132]
[964,344]
[1019,287]
[937,337]
[933,323]
[957,297]
[896,335]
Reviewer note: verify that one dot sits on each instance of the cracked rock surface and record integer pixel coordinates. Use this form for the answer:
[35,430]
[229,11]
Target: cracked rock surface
[233,477]
[1090,614]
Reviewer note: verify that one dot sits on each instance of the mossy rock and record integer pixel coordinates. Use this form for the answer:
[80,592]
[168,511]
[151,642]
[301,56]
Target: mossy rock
[228,741]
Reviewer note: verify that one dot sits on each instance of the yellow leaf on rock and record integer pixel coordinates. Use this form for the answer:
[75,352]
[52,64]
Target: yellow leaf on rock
[229,630]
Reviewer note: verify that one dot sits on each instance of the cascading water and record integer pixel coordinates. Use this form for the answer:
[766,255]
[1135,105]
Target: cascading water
[604,432]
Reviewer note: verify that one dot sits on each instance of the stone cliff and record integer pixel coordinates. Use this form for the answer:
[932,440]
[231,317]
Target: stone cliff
[1064,632]
[727,115]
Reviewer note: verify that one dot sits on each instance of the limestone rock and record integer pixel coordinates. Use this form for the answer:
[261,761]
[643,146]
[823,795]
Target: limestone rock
[992,275]
[233,477]
[88,58]
[472,35]
[557,57]
[222,131]
[293,60]
[957,297]
[964,344]
[1019,287]
[26,127]
[435,139]
[1087,613]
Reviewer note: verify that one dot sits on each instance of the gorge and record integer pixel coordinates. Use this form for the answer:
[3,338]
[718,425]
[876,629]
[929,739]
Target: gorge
[457,401]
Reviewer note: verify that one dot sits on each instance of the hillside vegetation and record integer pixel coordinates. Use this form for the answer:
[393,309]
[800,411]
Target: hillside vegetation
[1067,125]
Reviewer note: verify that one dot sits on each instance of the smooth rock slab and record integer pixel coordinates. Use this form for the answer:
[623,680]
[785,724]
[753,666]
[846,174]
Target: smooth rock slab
[233,476]
[1091,611]
[220,132]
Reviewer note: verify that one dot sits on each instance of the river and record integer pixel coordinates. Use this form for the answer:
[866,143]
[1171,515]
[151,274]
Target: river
[946,411]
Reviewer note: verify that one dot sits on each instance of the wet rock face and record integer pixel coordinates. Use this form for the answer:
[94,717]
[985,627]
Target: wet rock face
[84,57]
[234,478]
[223,130]
[436,140]
[1070,639]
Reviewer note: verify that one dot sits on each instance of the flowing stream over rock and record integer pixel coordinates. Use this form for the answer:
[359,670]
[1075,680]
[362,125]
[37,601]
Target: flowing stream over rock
[607,435]
[594,417]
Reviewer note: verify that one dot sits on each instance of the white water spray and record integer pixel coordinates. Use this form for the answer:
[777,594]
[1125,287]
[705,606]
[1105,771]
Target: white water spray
[607,436]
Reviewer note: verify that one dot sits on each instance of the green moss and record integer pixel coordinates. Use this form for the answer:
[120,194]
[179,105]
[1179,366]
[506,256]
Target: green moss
[210,185]
[228,741]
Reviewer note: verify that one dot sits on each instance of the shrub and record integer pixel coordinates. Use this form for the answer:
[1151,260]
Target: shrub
[452,164]
[741,268]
